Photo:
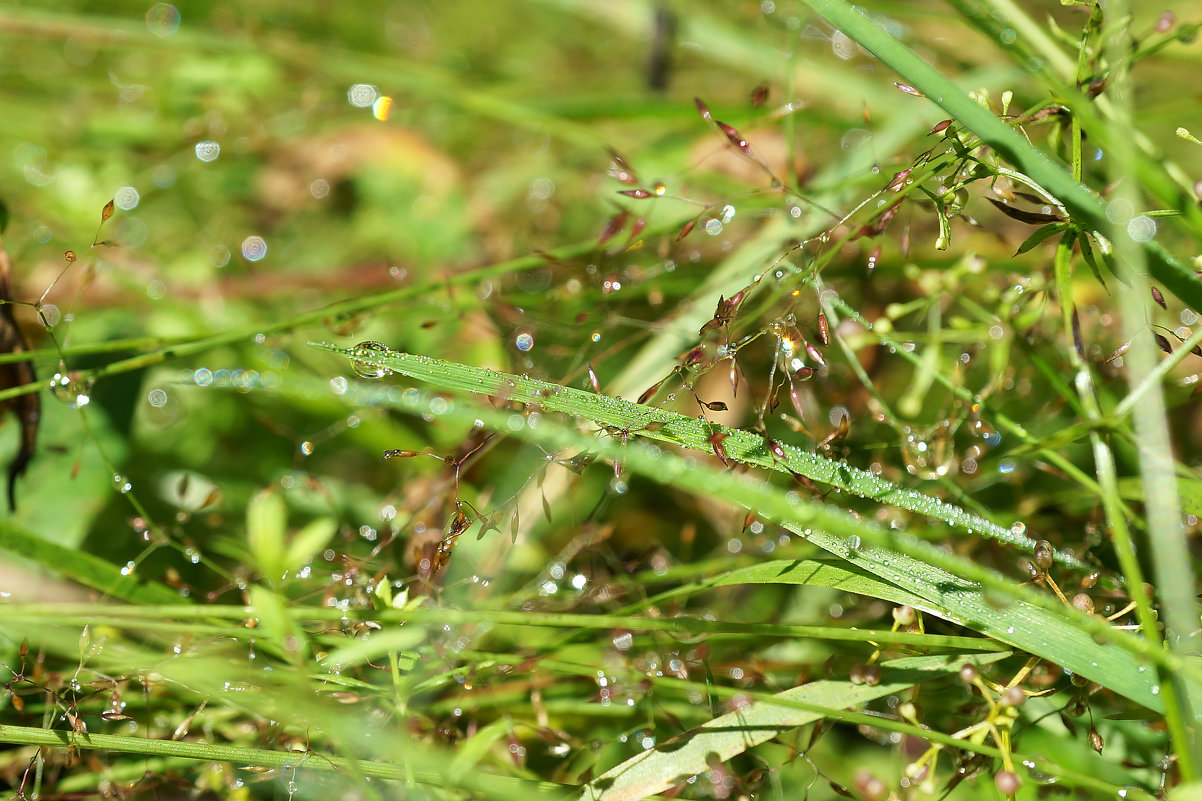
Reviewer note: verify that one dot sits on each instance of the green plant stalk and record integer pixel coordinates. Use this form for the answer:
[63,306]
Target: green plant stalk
[1103,457]
[240,755]
[1153,379]
[1169,553]
[910,403]
[1166,181]
[828,302]
[1083,203]
[136,617]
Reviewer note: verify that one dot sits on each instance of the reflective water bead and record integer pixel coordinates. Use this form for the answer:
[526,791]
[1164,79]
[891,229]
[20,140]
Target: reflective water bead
[367,369]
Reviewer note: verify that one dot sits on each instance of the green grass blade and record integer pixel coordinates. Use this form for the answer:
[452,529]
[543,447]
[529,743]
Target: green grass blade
[88,570]
[962,592]
[494,786]
[689,432]
[831,573]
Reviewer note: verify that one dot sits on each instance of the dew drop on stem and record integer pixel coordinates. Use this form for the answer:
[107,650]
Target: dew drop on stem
[71,389]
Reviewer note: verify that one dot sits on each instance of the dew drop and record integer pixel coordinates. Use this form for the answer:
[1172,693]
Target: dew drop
[1141,228]
[51,315]
[524,342]
[208,150]
[71,389]
[162,20]
[126,198]
[366,369]
[121,483]
[254,248]
[362,95]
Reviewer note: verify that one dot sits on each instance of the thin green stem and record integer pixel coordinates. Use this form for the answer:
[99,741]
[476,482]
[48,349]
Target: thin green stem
[1169,552]
[261,757]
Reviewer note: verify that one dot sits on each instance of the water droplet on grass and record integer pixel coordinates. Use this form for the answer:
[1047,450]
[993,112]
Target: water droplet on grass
[162,20]
[366,369]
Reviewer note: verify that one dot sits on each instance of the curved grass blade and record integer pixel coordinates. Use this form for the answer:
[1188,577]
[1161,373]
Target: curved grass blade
[689,432]
[955,588]
[837,575]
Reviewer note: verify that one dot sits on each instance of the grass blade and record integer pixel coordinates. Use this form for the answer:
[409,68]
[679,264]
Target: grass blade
[962,592]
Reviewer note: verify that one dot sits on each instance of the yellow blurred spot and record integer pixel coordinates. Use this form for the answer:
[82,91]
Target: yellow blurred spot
[382,108]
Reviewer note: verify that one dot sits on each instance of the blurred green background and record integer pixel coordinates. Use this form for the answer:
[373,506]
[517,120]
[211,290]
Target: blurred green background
[270,160]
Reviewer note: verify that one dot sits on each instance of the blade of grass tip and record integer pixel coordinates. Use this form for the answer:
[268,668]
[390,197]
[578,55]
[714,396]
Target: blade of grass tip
[1169,551]
[1082,202]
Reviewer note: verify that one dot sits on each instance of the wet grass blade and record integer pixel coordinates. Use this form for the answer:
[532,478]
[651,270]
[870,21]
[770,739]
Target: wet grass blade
[960,590]
[740,445]
[88,570]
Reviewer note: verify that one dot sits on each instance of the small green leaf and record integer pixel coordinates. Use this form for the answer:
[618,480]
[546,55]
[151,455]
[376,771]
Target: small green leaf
[728,735]
[266,521]
[308,541]
[470,752]
[277,626]
[373,645]
[1040,236]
